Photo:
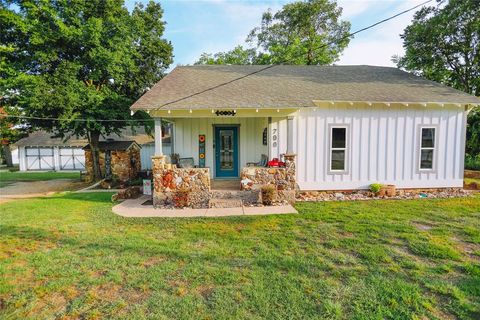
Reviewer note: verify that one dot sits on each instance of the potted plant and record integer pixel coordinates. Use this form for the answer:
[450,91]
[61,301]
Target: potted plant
[390,190]
[376,189]
[382,190]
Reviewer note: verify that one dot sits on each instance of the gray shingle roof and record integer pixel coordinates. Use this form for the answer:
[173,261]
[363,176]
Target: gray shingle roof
[43,138]
[293,87]
[113,145]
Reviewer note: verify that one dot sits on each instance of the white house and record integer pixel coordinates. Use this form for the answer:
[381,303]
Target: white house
[349,126]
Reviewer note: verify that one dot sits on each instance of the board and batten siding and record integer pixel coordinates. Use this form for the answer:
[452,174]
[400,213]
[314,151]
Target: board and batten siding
[187,130]
[383,146]
[148,151]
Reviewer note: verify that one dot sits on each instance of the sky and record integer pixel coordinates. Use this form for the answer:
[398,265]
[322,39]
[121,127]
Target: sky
[197,26]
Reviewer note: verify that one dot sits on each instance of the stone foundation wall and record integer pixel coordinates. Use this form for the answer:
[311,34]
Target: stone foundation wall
[179,187]
[284,179]
[125,164]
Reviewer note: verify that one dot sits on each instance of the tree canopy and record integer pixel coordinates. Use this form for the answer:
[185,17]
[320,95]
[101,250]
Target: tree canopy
[303,32]
[443,44]
[77,60]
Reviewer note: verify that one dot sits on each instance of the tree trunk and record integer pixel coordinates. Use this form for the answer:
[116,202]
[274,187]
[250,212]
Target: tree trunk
[8,155]
[93,139]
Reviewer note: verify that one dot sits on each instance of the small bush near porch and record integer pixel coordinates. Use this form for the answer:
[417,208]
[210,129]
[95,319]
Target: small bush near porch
[70,256]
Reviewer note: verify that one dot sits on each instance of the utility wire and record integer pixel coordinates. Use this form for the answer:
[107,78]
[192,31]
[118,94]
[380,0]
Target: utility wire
[78,120]
[235,79]
[274,65]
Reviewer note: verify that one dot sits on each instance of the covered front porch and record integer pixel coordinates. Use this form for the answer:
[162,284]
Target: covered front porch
[221,145]
[226,140]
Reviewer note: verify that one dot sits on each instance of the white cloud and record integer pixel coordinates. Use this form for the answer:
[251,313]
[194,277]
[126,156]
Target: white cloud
[352,8]
[377,46]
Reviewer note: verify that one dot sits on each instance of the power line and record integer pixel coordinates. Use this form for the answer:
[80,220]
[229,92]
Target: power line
[77,120]
[274,65]
[230,81]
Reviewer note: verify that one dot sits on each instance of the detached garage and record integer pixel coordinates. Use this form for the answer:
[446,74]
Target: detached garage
[39,151]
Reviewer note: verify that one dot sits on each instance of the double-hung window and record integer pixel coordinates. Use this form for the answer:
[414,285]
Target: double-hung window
[427,148]
[338,149]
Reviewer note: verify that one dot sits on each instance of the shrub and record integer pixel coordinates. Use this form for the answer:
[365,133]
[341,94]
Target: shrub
[472,162]
[136,182]
[375,187]
[269,194]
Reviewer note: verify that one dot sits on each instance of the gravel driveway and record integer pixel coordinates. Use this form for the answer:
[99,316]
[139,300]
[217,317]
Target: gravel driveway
[30,189]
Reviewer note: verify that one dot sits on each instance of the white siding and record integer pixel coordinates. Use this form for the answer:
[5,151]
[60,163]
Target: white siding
[383,146]
[186,131]
[148,151]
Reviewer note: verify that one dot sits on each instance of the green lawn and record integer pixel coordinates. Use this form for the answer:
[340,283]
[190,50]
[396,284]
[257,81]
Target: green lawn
[69,256]
[471,180]
[7,177]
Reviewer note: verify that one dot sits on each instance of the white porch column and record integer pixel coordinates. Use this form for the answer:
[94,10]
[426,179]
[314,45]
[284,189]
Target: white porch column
[158,137]
[290,135]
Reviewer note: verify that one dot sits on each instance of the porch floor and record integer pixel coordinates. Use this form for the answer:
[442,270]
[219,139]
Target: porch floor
[134,208]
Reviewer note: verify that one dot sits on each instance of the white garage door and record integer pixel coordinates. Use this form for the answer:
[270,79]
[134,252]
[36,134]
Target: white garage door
[39,158]
[72,159]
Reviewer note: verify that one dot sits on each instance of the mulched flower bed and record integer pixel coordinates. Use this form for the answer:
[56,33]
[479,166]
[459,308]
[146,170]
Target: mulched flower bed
[368,195]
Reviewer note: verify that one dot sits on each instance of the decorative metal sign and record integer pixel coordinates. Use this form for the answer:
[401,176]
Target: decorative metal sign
[201,150]
[230,113]
[108,164]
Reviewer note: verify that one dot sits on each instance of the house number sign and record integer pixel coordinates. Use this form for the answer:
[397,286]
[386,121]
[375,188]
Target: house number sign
[274,137]
[230,113]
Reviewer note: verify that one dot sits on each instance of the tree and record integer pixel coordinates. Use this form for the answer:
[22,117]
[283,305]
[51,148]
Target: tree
[237,56]
[82,62]
[10,132]
[443,44]
[303,32]
[10,127]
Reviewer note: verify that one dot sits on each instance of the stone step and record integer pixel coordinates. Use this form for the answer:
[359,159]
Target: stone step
[226,194]
[224,203]
[247,197]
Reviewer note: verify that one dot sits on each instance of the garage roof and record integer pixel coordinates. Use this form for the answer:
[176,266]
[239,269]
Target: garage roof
[113,145]
[43,138]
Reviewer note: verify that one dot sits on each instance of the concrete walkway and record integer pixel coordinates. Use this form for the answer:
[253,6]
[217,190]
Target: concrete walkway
[134,208]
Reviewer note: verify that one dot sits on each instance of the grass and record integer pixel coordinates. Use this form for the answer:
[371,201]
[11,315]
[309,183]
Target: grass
[69,256]
[7,177]
[471,180]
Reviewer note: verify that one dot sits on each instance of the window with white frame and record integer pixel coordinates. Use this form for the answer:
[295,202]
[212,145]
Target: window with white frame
[338,149]
[427,148]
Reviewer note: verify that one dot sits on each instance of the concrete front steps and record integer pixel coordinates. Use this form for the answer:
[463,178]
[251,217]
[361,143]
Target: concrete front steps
[233,198]
[134,208]
[225,203]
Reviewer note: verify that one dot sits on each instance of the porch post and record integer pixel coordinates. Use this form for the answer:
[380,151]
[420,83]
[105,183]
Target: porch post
[289,135]
[158,137]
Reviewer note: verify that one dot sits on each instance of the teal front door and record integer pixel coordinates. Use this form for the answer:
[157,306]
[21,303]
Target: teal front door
[226,152]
